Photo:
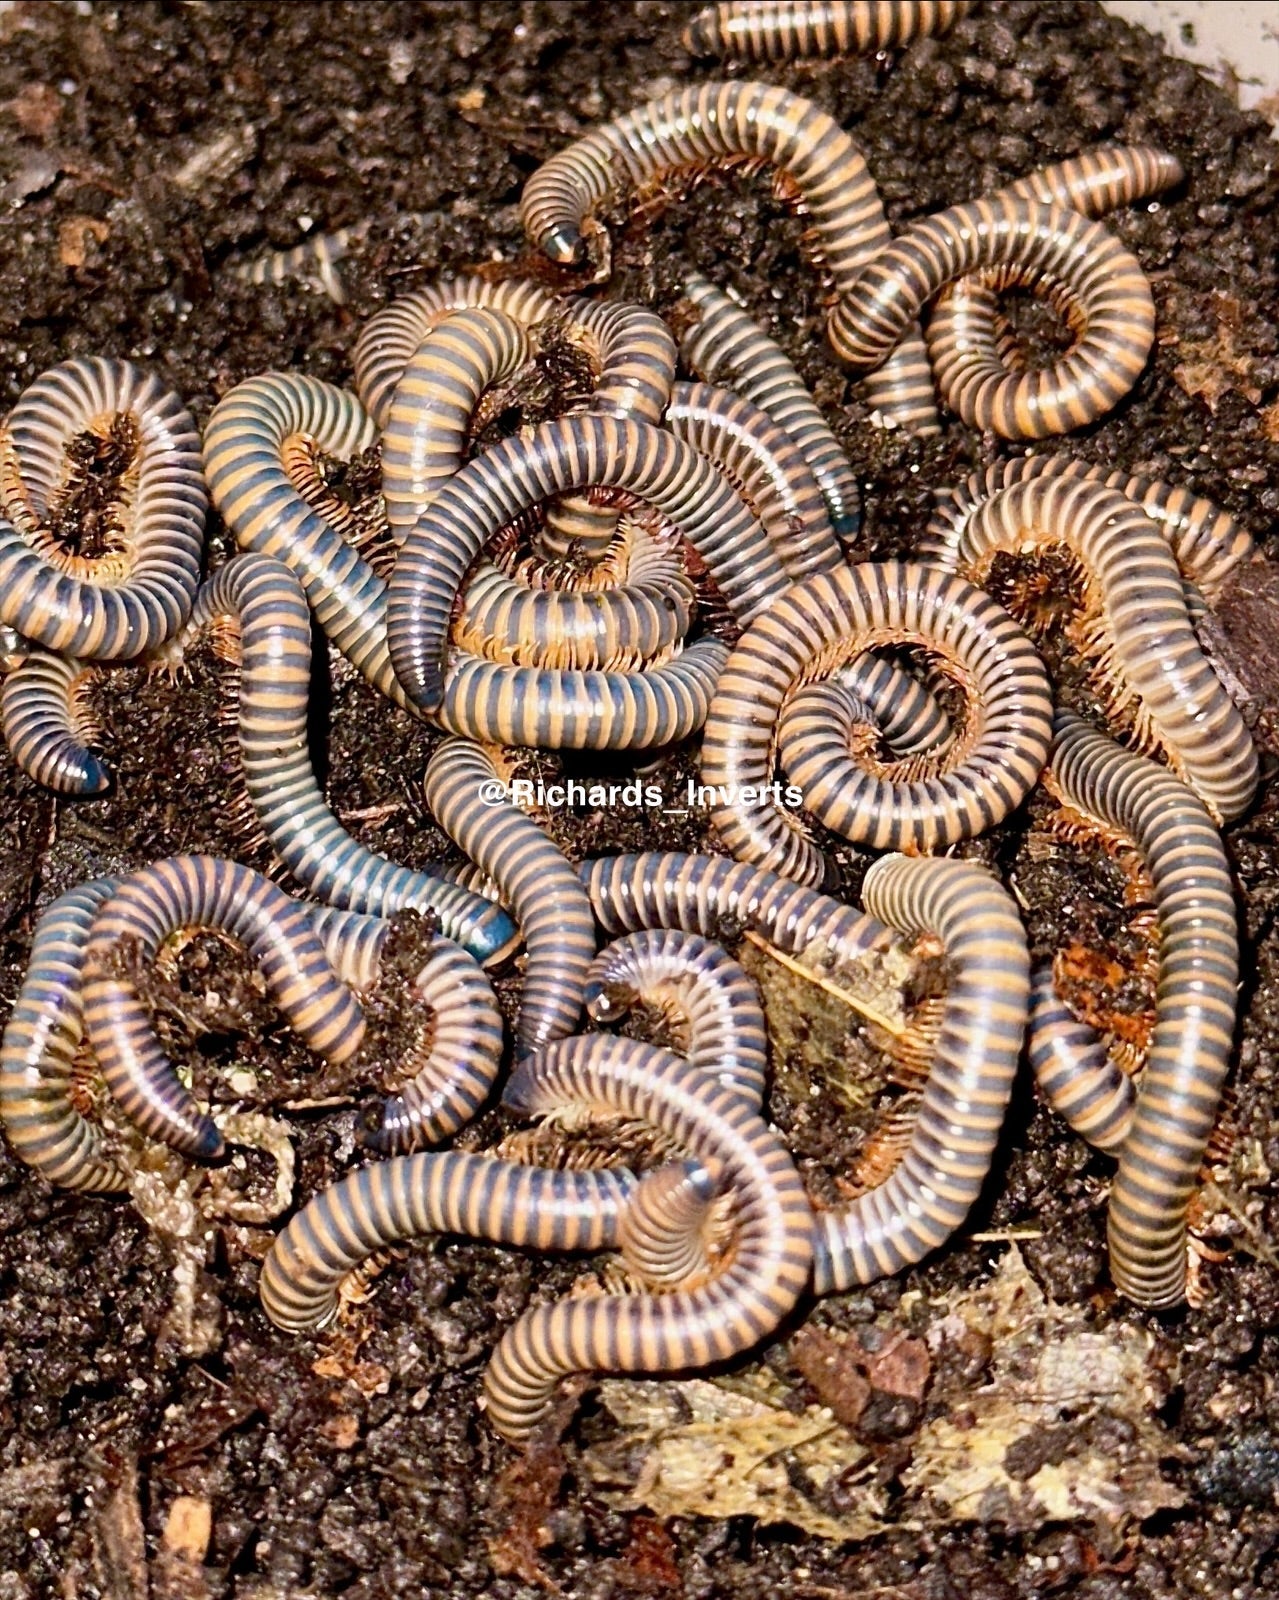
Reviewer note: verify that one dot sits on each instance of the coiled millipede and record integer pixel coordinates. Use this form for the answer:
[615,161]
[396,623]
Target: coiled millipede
[714,121]
[833,618]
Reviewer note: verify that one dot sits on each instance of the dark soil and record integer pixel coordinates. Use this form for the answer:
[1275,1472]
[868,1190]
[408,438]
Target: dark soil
[145,150]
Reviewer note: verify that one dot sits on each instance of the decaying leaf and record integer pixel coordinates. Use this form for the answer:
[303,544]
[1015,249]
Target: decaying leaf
[732,1448]
[1064,1431]
[1212,367]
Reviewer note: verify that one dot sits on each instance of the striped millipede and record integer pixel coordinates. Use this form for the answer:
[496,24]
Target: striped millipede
[1074,1073]
[781,30]
[743,1303]
[128,930]
[390,340]
[1207,543]
[724,343]
[424,445]
[1135,610]
[905,713]
[489,701]
[967,318]
[709,122]
[138,596]
[45,726]
[621,627]
[462,788]
[1103,289]
[662,1233]
[765,464]
[428,422]
[434,1192]
[827,621]
[928,1195]
[465,1033]
[268,605]
[707,996]
[1195,1010]
[315,257]
[243,461]
[637,371]
[667,889]
[495,488]
[42,1039]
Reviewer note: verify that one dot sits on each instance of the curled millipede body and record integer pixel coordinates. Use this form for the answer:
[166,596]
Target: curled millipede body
[570,453]
[713,121]
[967,317]
[268,604]
[1195,1010]
[637,371]
[754,452]
[737,1307]
[463,792]
[725,344]
[244,447]
[428,423]
[1101,285]
[1074,1073]
[906,715]
[931,1190]
[461,1063]
[819,625]
[666,889]
[781,30]
[662,1233]
[1207,543]
[434,1192]
[647,611]
[390,340]
[136,597]
[316,258]
[129,928]
[38,1055]
[45,726]
[1135,616]
[714,1004]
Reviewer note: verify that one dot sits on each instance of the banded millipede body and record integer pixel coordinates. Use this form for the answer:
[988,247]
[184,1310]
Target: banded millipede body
[1207,543]
[781,30]
[244,446]
[967,316]
[390,340]
[619,628]
[466,797]
[762,460]
[707,894]
[705,995]
[268,604]
[662,1232]
[1195,1009]
[42,1040]
[139,593]
[743,1303]
[566,454]
[712,121]
[725,344]
[1135,613]
[826,621]
[435,1192]
[637,371]
[46,727]
[906,714]
[929,1193]
[128,930]
[429,419]
[1101,285]
[315,257]
[450,1076]
[1077,1078]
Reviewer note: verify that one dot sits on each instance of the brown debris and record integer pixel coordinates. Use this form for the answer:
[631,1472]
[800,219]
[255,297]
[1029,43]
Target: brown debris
[73,239]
